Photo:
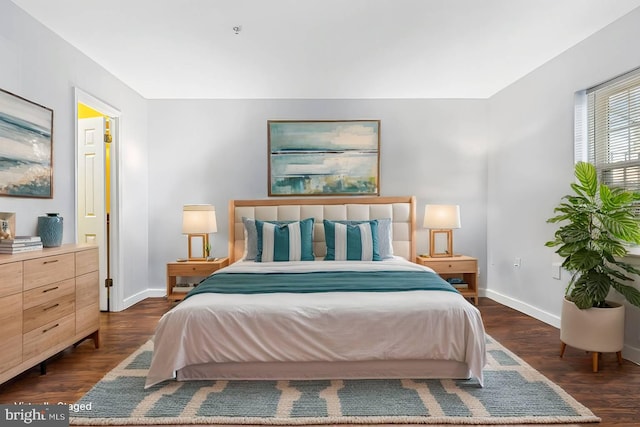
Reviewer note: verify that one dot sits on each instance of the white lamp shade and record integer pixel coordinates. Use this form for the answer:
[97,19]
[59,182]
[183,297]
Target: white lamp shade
[441,217]
[199,219]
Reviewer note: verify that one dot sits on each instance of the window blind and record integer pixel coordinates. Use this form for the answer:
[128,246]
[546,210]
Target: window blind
[613,115]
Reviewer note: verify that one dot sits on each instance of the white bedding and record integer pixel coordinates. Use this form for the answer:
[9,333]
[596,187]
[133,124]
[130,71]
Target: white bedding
[319,327]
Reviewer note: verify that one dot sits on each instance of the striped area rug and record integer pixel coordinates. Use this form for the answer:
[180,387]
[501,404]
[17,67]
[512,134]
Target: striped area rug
[514,393]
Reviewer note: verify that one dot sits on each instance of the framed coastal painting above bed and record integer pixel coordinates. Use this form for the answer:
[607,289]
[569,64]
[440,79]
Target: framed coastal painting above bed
[324,157]
[26,147]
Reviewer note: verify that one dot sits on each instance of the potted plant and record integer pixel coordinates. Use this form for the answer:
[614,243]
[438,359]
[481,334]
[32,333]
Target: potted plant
[597,224]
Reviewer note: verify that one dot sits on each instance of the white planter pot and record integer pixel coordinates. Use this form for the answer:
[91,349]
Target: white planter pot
[593,329]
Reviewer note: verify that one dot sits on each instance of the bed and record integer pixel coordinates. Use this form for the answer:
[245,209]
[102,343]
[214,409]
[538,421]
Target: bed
[295,315]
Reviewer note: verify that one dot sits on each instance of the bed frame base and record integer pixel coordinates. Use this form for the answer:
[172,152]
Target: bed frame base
[325,370]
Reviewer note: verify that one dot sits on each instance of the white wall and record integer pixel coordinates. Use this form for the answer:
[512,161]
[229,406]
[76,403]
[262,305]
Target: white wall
[211,151]
[40,66]
[531,166]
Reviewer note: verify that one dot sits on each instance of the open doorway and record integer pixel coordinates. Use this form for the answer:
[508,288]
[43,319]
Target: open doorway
[96,196]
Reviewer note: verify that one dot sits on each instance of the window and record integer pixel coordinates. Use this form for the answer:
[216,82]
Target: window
[613,131]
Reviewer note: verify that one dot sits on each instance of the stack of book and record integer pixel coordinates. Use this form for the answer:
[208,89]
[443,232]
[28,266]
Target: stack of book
[458,283]
[20,244]
[184,287]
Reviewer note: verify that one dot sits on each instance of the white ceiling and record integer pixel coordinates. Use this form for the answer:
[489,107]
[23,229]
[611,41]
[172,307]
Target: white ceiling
[323,48]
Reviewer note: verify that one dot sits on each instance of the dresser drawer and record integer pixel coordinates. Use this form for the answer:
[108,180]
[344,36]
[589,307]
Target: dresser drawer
[11,331]
[46,270]
[48,293]
[86,261]
[87,319]
[87,289]
[192,269]
[11,278]
[47,336]
[50,311]
[445,267]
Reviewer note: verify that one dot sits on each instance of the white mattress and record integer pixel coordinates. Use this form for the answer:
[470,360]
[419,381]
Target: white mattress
[319,327]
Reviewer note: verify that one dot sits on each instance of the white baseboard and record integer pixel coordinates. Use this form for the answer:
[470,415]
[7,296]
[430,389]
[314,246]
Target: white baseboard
[536,313]
[631,353]
[148,293]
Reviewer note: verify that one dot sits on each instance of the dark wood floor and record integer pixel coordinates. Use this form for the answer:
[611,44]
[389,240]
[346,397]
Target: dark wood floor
[611,394]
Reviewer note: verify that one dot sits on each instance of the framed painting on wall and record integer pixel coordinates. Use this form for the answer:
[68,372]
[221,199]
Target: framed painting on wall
[26,147]
[324,157]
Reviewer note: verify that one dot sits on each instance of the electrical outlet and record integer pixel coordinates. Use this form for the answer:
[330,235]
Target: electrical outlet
[517,262]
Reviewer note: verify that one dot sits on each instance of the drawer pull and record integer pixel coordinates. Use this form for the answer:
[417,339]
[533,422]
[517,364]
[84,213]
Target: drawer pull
[44,331]
[50,289]
[49,308]
[51,262]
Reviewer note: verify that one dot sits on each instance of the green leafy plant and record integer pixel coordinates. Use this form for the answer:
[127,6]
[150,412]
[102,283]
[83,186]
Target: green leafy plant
[597,224]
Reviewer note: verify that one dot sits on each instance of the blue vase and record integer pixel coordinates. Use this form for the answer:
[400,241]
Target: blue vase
[50,230]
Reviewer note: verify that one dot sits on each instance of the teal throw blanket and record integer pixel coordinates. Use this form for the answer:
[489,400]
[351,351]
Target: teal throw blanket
[323,281]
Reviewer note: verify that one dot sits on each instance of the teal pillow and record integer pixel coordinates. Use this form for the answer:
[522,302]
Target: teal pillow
[351,241]
[279,241]
[385,239]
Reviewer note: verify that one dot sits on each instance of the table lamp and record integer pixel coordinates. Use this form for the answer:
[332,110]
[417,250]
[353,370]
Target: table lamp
[198,221]
[440,220]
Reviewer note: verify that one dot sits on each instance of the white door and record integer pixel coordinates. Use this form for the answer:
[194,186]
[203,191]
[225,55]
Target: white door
[92,224]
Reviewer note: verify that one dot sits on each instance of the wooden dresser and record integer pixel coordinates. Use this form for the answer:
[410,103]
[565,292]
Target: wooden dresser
[49,300]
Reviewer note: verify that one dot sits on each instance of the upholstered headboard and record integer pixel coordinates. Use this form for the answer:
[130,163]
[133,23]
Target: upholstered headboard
[400,209]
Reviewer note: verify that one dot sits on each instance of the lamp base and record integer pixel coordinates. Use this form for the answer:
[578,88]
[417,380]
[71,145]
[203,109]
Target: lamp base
[440,235]
[205,244]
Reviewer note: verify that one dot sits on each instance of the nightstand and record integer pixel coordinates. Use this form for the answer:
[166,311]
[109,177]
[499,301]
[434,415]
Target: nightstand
[461,267]
[190,269]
